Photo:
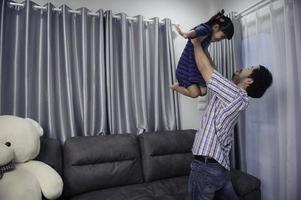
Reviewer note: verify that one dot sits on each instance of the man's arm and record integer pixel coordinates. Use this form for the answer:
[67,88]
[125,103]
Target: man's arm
[210,59]
[220,86]
[202,61]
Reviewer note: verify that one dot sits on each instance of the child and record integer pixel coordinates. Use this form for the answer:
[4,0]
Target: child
[190,81]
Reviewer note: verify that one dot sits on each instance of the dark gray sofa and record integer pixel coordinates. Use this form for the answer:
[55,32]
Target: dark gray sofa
[151,166]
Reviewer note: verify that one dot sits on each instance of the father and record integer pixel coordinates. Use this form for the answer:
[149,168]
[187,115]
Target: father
[210,169]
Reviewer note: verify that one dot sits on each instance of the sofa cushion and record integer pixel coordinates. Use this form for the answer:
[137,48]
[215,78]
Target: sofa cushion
[166,154]
[244,183]
[173,189]
[133,192]
[99,162]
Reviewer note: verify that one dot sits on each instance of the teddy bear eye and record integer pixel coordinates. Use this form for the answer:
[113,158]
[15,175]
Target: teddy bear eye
[8,144]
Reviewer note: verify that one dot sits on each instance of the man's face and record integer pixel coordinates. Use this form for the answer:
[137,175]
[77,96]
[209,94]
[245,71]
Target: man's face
[242,75]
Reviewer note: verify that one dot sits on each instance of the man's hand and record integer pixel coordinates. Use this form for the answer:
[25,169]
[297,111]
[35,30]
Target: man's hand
[199,40]
[210,59]
[202,61]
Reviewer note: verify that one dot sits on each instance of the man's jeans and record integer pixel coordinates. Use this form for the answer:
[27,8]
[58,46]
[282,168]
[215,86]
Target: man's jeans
[207,180]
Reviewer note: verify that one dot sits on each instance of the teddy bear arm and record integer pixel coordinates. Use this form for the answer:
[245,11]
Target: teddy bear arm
[50,181]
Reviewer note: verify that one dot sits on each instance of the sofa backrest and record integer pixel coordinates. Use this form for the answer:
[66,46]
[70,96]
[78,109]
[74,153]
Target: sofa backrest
[166,154]
[51,153]
[94,163]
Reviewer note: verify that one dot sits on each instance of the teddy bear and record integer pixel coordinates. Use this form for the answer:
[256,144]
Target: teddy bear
[21,177]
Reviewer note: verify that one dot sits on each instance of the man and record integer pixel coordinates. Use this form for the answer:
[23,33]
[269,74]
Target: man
[210,169]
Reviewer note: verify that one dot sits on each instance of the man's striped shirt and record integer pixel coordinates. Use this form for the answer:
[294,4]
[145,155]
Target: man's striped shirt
[214,138]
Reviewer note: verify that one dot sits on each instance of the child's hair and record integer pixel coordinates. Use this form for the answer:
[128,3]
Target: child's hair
[225,23]
[262,80]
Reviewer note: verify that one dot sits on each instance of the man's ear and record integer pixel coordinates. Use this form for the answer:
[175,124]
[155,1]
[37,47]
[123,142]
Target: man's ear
[249,81]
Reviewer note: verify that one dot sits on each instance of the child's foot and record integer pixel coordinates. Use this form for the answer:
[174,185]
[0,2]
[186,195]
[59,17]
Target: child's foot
[174,86]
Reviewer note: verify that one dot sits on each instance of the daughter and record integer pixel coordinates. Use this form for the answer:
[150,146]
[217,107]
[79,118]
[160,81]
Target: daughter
[190,81]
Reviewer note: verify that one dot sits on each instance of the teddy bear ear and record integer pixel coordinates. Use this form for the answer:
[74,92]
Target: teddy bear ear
[37,125]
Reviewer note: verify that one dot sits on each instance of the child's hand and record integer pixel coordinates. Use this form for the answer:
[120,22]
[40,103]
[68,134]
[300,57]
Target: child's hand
[180,32]
[178,29]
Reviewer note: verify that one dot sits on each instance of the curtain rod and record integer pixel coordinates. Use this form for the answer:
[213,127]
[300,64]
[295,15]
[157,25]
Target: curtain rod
[253,7]
[78,12]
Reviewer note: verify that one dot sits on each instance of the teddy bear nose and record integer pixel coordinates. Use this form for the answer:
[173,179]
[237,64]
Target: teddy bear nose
[7,144]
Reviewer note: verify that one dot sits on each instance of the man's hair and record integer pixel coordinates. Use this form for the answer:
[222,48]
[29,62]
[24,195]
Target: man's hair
[225,24]
[262,80]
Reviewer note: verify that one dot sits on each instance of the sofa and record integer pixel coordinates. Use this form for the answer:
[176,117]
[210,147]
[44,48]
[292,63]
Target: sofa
[150,166]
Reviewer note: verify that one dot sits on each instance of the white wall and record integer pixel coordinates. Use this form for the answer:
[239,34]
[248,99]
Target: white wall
[187,13]
[236,5]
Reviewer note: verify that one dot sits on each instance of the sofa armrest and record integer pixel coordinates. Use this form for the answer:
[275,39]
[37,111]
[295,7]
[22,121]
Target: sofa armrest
[245,184]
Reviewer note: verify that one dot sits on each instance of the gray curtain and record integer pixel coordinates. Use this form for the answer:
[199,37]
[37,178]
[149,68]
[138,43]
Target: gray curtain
[227,57]
[80,74]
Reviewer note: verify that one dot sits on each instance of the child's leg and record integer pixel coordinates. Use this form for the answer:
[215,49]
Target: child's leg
[192,91]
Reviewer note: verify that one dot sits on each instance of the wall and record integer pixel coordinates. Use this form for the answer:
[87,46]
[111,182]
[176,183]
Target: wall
[187,13]
[236,5]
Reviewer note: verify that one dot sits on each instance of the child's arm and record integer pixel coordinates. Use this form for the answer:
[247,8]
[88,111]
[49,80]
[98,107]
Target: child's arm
[186,35]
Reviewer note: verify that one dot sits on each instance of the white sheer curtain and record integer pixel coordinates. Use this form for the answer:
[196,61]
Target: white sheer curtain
[272,37]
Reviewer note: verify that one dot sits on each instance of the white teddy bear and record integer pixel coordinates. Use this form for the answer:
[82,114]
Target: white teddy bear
[21,177]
